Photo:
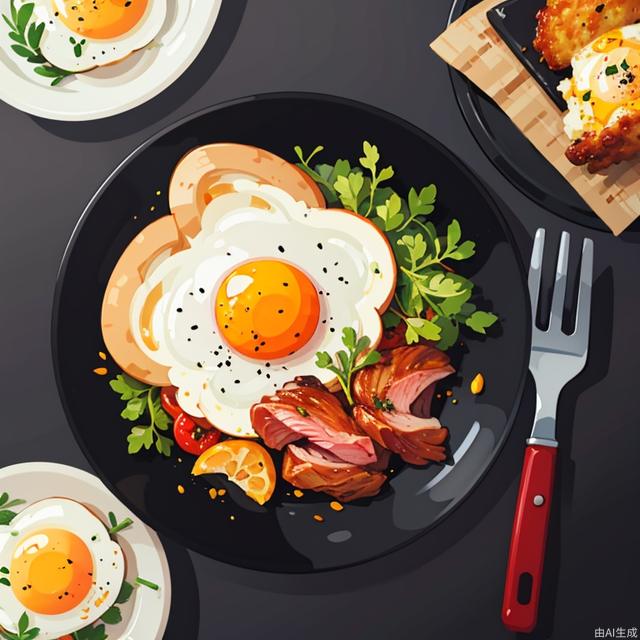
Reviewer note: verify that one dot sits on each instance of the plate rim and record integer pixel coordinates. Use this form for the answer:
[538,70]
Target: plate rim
[75,473]
[322,97]
[36,110]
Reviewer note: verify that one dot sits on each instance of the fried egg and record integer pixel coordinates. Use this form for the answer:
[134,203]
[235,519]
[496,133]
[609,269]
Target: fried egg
[63,569]
[265,284]
[606,82]
[82,34]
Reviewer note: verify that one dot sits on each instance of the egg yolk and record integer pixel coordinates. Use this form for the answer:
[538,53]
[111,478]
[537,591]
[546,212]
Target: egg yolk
[51,571]
[267,309]
[100,19]
[615,83]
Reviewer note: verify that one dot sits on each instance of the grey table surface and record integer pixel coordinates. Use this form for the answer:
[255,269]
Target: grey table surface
[449,583]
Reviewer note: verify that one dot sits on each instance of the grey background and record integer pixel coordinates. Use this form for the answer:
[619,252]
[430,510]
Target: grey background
[449,583]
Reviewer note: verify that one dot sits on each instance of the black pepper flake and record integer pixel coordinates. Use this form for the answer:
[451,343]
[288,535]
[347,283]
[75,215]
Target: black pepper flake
[280,248]
[600,8]
[236,382]
[201,290]
[285,284]
[319,245]
[194,327]
[179,309]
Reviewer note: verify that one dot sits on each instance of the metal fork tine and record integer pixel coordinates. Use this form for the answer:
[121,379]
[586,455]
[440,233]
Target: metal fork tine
[560,284]
[535,272]
[583,314]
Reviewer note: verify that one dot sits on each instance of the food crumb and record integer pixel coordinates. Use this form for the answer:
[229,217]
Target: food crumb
[523,49]
[438,395]
[180,489]
[232,517]
[179,459]
[477,384]
[449,393]
[317,517]
[221,492]
[101,371]
[213,494]
[297,493]
[152,208]
[102,355]
[454,401]
[336,506]
[158,192]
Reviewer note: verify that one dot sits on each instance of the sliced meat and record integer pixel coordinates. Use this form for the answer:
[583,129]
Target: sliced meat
[313,468]
[415,440]
[386,393]
[305,409]
[400,377]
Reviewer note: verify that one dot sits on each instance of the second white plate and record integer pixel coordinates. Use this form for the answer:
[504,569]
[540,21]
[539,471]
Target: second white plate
[145,615]
[110,90]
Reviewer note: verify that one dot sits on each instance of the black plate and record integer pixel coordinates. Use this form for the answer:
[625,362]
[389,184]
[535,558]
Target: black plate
[503,143]
[515,22]
[283,536]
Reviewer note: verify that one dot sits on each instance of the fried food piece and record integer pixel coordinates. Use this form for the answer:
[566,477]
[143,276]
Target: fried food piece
[567,26]
[612,145]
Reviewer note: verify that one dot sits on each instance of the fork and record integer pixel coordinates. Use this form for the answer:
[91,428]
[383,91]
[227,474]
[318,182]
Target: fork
[556,358]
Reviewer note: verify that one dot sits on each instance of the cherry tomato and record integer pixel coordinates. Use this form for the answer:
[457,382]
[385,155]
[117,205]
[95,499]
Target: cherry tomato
[169,401]
[191,436]
[392,338]
[171,406]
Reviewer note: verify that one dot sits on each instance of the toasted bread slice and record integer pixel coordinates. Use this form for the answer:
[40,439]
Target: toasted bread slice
[156,239]
[202,175]
[567,26]
[208,171]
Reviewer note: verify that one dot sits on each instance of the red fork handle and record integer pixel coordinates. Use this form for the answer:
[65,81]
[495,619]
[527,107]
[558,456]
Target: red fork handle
[529,539]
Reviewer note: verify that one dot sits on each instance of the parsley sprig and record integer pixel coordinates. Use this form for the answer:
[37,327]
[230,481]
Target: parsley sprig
[348,362]
[6,514]
[143,400]
[23,632]
[431,298]
[27,35]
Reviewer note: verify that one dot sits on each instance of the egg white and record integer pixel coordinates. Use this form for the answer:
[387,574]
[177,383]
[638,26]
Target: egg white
[59,51]
[580,115]
[108,562]
[348,260]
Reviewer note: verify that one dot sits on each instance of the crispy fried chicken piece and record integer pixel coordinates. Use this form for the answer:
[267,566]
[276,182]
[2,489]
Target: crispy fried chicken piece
[567,26]
[386,393]
[618,142]
[313,468]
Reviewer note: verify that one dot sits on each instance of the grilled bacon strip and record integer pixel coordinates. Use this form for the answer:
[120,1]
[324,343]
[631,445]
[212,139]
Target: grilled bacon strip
[313,468]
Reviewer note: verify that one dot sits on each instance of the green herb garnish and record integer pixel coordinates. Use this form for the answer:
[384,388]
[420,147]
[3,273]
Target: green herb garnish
[23,632]
[384,405]
[147,583]
[6,515]
[348,362]
[611,70]
[77,46]
[625,65]
[90,633]
[431,298]
[586,96]
[27,35]
[116,526]
[143,400]
[302,411]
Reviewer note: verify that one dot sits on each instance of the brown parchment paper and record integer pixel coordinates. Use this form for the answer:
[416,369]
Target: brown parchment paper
[473,47]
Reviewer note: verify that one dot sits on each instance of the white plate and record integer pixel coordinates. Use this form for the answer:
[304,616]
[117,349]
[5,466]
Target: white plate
[107,91]
[145,616]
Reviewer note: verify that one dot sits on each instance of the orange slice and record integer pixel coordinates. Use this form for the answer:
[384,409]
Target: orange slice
[245,463]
